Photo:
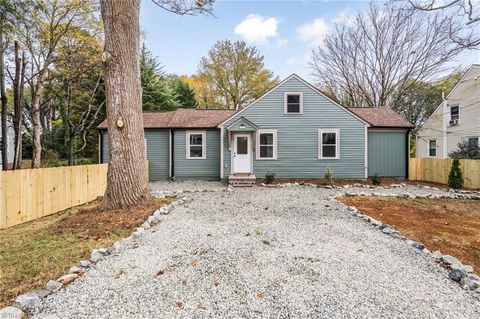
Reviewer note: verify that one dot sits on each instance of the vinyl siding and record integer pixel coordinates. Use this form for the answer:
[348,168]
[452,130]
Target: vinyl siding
[387,153]
[297,136]
[208,168]
[157,153]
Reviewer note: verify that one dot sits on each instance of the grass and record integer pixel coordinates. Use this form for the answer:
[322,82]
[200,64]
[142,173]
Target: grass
[44,249]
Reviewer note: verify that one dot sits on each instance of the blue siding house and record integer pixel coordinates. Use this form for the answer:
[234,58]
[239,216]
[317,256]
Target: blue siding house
[293,130]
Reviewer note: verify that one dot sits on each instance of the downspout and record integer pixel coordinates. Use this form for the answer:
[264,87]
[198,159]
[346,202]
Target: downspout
[445,125]
[100,146]
[173,154]
[221,152]
[407,160]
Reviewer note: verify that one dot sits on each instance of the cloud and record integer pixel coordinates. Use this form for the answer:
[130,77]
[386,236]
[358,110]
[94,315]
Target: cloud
[313,32]
[257,29]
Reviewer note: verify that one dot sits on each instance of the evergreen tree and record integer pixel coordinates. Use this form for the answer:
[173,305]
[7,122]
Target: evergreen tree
[157,93]
[184,94]
[455,178]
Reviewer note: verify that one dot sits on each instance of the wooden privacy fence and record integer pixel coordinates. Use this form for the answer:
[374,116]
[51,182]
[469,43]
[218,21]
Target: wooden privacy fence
[436,170]
[29,194]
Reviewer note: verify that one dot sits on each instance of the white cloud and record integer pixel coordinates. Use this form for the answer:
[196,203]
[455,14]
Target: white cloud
[313,32]
[257,29]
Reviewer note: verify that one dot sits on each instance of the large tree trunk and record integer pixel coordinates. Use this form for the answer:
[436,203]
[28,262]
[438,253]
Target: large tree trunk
[37,125]
[18,89]
[126,179]
[3,96]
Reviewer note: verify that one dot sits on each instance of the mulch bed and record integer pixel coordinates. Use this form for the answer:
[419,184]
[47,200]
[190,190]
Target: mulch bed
[449,225]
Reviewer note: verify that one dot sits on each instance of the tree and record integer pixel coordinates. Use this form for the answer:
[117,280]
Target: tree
[126,181]
[184,94]
[156,91]
[40,35]
[466,150]
[464,18]
[380,54]
[420,99]
[204,91]
[236,73]
[18,93]
[455,177]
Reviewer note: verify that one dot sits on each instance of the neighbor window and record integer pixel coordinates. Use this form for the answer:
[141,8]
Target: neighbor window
[196,145]
[293,103]
[473,142]
[329,143]
[454,113]
[267,144]
[432,148]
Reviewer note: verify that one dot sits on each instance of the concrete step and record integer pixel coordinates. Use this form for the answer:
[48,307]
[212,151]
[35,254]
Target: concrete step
[242,181]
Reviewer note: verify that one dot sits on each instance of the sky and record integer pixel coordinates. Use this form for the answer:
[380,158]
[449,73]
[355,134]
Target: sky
[284,31]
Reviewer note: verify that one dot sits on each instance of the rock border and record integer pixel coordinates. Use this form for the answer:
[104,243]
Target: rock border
[464,275]
[31,302]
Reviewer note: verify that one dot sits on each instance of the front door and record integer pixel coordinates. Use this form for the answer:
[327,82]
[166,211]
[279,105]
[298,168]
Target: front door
[241,154]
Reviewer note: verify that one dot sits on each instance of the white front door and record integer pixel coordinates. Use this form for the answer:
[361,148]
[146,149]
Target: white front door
[241,153]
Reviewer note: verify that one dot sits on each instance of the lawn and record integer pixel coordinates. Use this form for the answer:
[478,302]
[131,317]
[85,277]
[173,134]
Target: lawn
[44,249]
[449,225]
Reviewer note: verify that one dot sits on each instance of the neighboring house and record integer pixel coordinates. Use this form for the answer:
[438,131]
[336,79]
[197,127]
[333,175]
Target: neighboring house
[293,130]
[10,145]
[455,120]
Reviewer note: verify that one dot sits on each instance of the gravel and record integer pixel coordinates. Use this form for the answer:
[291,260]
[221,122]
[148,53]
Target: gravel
[263,253]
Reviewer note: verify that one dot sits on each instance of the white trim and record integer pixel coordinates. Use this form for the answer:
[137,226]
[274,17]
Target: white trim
[366,152]
[436,148]
[285,103]
[170,153]
[320,143]
[221,152]
[249,148]
[204,144]
[257,144]
[295,76]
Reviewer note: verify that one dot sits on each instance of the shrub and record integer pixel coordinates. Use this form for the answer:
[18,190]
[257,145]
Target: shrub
[376,179]
[455,178]
[328,177]
[269,177]
[85,161]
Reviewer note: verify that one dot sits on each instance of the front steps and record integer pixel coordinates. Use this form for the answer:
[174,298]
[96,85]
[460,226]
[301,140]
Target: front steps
[242,180]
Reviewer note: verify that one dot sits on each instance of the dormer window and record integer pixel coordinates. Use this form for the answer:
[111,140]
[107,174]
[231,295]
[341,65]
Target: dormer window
[293,103]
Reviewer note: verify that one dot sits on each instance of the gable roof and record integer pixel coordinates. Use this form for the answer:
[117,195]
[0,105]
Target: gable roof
[182,118]
[295,76]
[475,65]
[381,117]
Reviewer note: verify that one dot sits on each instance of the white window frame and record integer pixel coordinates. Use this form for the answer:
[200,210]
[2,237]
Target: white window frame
[285,103]
[458,107]
[436,147]
[257,144]
[204,144]
[337,143]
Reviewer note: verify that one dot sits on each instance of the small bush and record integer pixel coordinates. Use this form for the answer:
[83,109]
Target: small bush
[328,177]
[376,179]
[455,178]
[85,161]
[269,177]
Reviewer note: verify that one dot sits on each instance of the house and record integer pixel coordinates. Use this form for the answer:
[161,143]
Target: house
[455,120]
[10,145]
[293,130]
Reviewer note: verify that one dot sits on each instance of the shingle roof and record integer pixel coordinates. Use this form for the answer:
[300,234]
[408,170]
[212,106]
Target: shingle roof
[381,117]
[182,118]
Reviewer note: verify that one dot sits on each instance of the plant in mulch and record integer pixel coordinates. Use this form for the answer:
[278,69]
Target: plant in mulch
[269,177]
[376,179]
[328,177]
[455,177]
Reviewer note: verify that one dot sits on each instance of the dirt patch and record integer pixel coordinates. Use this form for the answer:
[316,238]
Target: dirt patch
[449,225]
[44,249]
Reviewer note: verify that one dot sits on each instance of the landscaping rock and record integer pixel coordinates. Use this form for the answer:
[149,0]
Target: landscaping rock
[103,251]
[96,256]
[456,274]
[29,302]
[437,255]
[42,293]
[468,268]
[138,232]
[75,270]
[11,313]
[146,225]
[472,284]
[84,263]
[450,260]
[387,230]
[68,278]
[53,285]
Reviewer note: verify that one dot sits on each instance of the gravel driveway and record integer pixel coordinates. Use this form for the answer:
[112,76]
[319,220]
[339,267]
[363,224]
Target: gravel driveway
[264,253]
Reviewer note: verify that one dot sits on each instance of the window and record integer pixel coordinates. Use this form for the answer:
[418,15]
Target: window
[454,113]
[432,148]
[267,144]
[196,145]
[473,142]
[293,103]
[328,143]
